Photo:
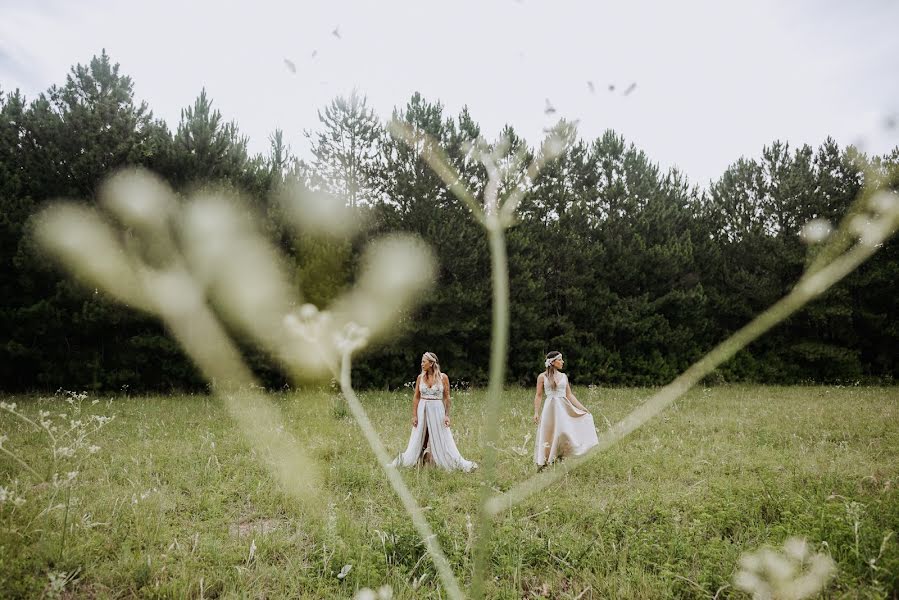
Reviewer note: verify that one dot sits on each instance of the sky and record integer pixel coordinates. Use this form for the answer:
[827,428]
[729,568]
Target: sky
[709,81]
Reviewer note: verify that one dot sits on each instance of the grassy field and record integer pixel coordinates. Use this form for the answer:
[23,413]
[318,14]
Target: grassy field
[173,503]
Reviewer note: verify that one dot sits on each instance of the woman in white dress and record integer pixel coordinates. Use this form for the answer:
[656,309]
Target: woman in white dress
[431,440]
[565,427]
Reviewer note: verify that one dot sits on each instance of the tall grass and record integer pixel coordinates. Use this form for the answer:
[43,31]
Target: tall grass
[175,498]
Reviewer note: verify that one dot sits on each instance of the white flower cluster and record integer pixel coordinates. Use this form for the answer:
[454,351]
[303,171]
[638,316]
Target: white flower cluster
[10,496]
[69,479]
[352,338]
[876,226]
[791,574]
[56,584]
[63,452]
[72,397]
[135,499]
[385,592]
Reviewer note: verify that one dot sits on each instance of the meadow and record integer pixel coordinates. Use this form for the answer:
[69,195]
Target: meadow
[167,499]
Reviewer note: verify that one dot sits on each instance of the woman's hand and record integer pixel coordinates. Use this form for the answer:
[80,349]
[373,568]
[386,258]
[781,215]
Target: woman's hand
[536,419]
[446,421]
[414,420]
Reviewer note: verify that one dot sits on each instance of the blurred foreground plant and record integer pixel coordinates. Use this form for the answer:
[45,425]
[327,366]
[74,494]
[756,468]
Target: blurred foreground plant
[204,269]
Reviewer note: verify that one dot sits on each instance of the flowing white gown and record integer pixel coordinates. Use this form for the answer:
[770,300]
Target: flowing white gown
[431,440]
[564,429]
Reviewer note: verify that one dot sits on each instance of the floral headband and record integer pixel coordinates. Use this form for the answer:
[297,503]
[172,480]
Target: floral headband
[550,361]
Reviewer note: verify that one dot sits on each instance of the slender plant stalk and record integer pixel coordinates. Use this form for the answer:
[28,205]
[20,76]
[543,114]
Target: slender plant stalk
[29,421]
[437,160]
[65,520]
[496,217]
[498,350]
[20,461]
[396,482]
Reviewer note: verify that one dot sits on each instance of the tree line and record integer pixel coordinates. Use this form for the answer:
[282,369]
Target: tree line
[631,271]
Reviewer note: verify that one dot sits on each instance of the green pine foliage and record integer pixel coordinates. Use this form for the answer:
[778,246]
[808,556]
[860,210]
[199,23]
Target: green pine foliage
[632,271]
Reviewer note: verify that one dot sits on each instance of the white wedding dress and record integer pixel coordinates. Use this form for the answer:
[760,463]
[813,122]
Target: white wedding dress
[431,440]
[564,429]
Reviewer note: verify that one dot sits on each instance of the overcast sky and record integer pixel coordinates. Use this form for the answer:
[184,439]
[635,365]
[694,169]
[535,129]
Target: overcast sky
[714,80]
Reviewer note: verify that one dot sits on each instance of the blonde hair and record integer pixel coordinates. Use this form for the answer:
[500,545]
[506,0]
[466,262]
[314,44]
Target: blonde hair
[550,373]
[434,370]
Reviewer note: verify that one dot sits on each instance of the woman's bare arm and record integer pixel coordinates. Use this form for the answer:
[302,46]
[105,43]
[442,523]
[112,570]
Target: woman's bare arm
[446,400]
[538,398]
[570,395]
[416,397]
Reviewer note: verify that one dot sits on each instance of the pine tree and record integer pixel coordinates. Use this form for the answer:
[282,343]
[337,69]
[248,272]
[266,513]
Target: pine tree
[345,150]
[207,149]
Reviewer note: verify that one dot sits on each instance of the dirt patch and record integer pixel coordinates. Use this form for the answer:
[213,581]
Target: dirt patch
[256,527]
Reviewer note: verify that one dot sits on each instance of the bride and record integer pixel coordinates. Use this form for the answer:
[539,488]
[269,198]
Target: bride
[565,426]
[431,440]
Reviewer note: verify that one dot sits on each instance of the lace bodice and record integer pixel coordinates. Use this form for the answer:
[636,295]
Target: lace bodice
[427,392]
[561,385]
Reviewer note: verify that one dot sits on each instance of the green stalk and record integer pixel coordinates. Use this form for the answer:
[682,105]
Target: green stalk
[498,350]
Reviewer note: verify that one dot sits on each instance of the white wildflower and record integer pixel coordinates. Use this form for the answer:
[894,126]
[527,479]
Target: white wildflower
[553,147]
[351,338]
[816,231]
[884,203]
[307,312]
[324,214]
[56,584]
[871,232]
[140,199]
[794,573]
[4,494]
[385,592]
[65,452]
